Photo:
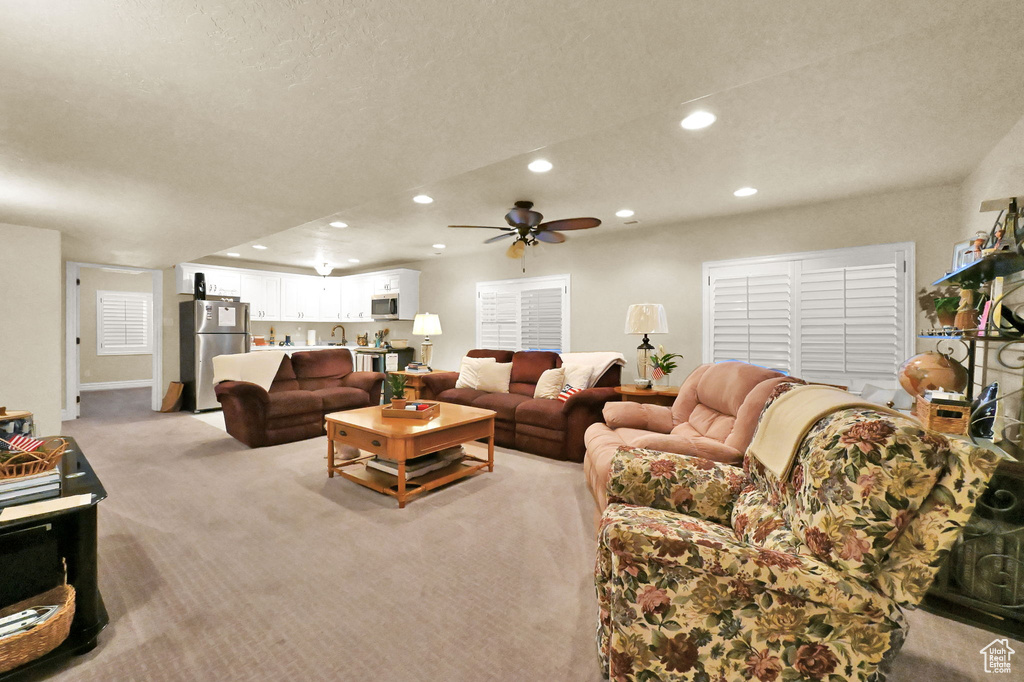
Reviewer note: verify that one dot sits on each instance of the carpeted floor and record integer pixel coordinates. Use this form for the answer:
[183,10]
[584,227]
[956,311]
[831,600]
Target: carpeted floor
[223,563]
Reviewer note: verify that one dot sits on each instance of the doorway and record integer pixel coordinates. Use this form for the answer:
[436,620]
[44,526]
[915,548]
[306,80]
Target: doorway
[113,331]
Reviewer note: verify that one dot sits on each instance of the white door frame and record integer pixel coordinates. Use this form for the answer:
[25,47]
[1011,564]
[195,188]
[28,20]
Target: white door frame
[72,327]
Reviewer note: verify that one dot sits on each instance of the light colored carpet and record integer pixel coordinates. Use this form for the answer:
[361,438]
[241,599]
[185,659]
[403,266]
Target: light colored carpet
[218,562]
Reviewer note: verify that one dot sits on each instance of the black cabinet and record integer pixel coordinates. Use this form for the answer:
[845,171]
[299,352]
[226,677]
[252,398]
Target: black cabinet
[71,533]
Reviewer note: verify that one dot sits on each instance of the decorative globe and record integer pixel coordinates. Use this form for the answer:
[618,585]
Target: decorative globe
[932,371]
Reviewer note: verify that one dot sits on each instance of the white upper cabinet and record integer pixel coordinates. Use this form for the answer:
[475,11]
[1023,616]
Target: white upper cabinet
[276,297]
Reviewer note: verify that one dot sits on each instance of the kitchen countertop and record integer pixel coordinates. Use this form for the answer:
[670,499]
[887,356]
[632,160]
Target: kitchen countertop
[290,349]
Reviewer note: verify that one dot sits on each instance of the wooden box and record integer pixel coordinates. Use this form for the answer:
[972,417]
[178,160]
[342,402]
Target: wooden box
[952,419]
[429,413]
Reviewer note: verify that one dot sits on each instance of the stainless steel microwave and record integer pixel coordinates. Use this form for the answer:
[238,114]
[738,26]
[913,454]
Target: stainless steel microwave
[384,307]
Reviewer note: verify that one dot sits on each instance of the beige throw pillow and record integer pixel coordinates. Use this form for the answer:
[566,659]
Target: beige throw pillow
[550,384]
[469,371]
[578,376]
[495,377]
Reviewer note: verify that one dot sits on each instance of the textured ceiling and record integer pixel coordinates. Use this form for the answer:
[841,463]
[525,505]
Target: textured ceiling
[153,133]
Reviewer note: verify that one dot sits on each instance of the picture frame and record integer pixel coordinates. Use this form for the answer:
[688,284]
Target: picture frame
[963,254]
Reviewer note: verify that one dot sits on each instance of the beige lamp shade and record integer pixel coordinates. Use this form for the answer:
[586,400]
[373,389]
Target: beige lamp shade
[425,324]
[646,318]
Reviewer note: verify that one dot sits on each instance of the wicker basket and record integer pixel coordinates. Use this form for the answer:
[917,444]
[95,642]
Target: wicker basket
[25,463]
[952,419]
[27,646]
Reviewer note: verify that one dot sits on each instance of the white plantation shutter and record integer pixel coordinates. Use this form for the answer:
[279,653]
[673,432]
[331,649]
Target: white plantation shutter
[842,316]
[752,315]
[123,320]
[531,313]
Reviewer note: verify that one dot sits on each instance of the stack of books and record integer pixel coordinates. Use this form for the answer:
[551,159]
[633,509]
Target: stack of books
[420,465]
[30,488]
[417,368]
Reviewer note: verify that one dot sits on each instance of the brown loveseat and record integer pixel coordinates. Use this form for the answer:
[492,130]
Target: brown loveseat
[540,426]
[714,417]
[308,385]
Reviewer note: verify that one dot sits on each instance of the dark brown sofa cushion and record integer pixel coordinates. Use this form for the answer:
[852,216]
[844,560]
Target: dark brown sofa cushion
[285,379]
[548,414]
[461,396]
[498,355]
[504,404]
[342,398]
[321,368]
[287,403]
[527,366]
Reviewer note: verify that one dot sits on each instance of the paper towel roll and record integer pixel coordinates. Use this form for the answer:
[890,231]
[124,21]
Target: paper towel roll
[311,337]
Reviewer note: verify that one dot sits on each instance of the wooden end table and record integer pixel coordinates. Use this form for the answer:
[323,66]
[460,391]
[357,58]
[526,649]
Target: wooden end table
[656,395]
[400,440]
[415,388]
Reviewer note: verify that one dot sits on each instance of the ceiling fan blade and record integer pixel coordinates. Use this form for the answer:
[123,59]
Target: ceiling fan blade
[516,250]
[550,237]
[479,227]
[500,236]
[570,224]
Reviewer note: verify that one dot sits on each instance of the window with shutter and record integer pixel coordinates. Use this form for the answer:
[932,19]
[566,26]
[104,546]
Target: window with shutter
[123,321]
[524,314]
[842,316]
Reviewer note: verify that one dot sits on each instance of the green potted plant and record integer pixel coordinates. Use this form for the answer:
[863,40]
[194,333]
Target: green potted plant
[663,364]
[396,382]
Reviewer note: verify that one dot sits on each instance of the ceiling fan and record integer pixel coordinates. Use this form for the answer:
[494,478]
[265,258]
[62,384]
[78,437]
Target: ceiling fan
[526,226]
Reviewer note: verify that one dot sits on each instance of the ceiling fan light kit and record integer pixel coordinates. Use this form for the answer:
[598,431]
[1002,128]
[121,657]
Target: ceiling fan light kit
[526,227]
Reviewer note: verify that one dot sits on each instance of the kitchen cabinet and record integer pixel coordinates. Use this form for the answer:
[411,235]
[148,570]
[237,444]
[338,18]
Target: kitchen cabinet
[263,294]
[330,299]
[356,293]
[386,283]
[219,281]
[300,298]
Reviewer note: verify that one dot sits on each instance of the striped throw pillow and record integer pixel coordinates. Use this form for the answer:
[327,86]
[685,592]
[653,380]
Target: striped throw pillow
[567,392]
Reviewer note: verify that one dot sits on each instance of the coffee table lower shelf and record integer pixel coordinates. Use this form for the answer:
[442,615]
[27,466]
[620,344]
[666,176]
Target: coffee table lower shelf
[356,470]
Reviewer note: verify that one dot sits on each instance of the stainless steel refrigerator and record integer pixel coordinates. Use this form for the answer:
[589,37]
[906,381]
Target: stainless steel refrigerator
[208,329]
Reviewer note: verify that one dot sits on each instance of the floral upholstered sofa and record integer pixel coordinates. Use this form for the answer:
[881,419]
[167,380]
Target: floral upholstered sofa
[710,572]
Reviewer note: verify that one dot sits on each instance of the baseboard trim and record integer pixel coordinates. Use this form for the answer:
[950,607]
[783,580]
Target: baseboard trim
[112,385]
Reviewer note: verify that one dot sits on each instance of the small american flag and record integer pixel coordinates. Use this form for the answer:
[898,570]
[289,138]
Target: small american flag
[657,373]
[568,392]
[20,442]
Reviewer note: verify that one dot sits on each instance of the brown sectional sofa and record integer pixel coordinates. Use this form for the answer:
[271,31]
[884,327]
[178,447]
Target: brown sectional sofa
[714,417]
[308,385]
[544,427]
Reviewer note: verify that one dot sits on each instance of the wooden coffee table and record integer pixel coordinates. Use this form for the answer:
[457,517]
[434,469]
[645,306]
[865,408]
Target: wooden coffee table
[404,439]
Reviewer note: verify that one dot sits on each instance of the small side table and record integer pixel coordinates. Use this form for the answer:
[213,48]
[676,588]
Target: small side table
[415,388]
[656,395]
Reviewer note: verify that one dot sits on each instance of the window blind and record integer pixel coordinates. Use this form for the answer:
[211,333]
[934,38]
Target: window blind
[524,314]
[123,322]
[842,316]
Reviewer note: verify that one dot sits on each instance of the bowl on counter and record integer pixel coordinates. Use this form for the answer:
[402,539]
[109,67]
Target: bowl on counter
[399,344]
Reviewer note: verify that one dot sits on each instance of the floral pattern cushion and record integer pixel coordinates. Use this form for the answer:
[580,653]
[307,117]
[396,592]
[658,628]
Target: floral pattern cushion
[756,521]
[690,485]
[681,600]
[859,477]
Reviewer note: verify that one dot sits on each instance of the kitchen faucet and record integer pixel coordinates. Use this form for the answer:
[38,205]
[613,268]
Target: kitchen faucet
[344,341]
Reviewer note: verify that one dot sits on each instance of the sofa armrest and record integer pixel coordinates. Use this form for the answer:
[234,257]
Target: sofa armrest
[627,414]
[440,381]
[370,382]
[642,536]
[244,391]
[687,485]
[581,410]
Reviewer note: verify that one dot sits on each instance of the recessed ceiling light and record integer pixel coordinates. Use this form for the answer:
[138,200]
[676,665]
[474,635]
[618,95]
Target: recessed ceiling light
[259,246]
[540,166]
[440,246]
[337,223]
[624,213]
[353,260]
[698,120]
[235,255]
[745,192]
[423,199]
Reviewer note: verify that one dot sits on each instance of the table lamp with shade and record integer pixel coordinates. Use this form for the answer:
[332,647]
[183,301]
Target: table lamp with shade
[645,318]
[425,324]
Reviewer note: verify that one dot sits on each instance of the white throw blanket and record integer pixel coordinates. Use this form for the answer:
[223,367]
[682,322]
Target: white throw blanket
[256,368]
[600,361]
[791,416]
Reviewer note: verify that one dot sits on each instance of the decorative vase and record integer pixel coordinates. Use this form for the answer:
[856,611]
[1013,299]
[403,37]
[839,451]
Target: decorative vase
[398,403]
[663,380]
[945,310]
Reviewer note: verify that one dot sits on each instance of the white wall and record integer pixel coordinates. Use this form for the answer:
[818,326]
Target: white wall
[95,368]
[31,345]
[612,268]
[1000,174]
